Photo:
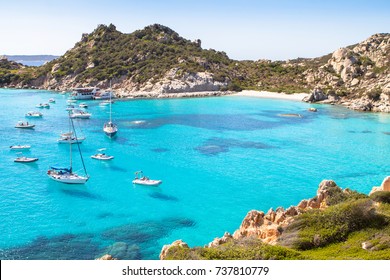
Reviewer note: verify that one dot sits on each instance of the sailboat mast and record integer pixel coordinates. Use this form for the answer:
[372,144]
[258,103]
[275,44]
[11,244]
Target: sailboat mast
[110,101]
[70,143]
[78,146]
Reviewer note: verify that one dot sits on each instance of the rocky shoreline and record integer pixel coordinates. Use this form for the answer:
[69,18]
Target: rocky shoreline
[269,227]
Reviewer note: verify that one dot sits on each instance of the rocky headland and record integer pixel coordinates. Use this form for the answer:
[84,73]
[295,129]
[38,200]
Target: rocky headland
[343,213]
[156,62]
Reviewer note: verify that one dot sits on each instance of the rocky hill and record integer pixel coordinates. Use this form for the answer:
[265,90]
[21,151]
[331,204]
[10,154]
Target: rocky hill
[357,76]
[157,62]
[155,59]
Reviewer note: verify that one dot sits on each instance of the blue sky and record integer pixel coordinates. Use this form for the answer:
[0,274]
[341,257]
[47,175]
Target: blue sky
[244,29]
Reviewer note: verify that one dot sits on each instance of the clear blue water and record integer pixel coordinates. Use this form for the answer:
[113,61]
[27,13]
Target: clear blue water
[218,159]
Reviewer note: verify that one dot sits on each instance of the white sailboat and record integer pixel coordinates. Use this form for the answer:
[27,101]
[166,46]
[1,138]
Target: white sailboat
[109,128]
[66,175]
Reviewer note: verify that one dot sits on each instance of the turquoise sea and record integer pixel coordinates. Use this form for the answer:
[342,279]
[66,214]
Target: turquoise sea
[218,159]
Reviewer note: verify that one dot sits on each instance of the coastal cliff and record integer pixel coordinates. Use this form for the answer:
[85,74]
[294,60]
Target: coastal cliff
[156,62]
[335,224]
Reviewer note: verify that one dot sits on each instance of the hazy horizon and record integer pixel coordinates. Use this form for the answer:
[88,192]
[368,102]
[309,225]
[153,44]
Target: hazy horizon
[245,30]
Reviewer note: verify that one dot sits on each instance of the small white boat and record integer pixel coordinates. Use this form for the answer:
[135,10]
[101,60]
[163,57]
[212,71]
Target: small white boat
[102,156]
[52,100]
[21,124]
[24,159]
[33,114]
[79,114]
[71,100]
[20,147]
[43,105]
[83,105]
[140,179]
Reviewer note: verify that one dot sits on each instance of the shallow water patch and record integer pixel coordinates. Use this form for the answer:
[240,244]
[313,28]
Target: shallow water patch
[217,145]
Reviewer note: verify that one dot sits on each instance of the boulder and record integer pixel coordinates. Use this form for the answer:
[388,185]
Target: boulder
[315,96]
[385,186]
[165,248]
[106,257]
[218,241]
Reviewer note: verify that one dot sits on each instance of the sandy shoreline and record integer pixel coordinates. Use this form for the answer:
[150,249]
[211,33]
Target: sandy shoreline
[273,95]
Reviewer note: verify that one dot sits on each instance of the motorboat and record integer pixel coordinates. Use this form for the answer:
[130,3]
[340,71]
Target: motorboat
[102,156]
[52,100]
[27,125]
[140,179]
[69,101]
[66,175]
[20,147]
[79,114]
[24,159]
[43,105]
[83,105]
[33,114]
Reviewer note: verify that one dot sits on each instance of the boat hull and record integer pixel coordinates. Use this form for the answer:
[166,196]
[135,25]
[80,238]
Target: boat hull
[17,147]
[25,160]
[102,157]
[153,183]
[72,141]
[68,178]
[25,126]
[110,134]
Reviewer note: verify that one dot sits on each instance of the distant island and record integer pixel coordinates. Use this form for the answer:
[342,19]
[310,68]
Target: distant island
[156,62]
[30,60]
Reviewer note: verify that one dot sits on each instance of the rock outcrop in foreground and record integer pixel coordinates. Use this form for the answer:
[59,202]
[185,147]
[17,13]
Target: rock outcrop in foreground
[385,186]
[268,227]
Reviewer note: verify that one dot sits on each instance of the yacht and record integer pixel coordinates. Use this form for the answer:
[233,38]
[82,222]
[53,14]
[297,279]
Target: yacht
[84,93]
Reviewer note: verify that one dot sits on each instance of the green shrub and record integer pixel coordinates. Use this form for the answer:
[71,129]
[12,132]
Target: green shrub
[247,249]
[318,228]
[381,196]
[374,94]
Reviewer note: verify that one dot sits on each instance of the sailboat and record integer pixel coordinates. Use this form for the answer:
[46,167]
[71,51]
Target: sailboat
[64,174]
[109,128]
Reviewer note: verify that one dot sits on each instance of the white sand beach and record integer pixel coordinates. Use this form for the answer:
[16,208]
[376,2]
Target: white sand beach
[273,95]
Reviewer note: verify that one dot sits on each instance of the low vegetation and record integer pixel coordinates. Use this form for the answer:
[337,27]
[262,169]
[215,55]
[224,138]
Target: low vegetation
[246,249]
